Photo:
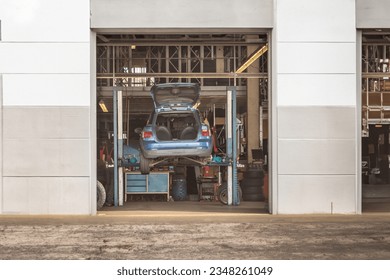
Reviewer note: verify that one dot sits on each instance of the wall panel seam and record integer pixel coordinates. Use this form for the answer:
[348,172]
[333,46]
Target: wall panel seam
[317,139]
[45,42]
[317,42]
[316,73]
[1,144]
[45,176]
[318,174]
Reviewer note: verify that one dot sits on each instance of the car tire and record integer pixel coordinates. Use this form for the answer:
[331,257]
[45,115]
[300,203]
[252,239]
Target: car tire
[254,173]
[222,193]
[179,188]
[144,165]
[101,195]
[253,194]
[252,189]
[252,182]
[253,197]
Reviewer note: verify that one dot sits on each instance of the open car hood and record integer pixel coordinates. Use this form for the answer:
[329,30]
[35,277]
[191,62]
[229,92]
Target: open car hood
[175,95]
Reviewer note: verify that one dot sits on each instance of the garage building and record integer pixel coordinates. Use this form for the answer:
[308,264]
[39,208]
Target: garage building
[315,101]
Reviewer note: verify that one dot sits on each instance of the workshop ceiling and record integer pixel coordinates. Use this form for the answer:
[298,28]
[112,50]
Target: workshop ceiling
[173,54]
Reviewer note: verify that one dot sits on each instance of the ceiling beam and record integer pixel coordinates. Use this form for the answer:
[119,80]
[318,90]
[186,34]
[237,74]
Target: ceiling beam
[183,75]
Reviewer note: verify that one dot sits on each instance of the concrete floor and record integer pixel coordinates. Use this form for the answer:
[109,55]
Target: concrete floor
[376,198]
[195,230]
[201,230]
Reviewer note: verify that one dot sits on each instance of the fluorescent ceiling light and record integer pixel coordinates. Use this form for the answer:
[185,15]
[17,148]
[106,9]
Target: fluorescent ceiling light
[103,106]
[252,58]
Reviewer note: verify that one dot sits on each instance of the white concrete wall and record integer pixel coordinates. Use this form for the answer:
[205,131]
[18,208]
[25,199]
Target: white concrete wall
[372,14]
[314,51]
[45,68]
[183,14]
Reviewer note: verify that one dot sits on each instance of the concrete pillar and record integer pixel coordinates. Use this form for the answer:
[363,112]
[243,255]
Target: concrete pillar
[315,127]
[56,121]
[253,95]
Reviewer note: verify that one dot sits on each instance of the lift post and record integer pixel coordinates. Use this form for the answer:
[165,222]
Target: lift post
[231,130]
[118,147]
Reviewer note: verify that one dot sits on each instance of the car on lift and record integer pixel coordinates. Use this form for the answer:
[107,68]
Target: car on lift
[175,132]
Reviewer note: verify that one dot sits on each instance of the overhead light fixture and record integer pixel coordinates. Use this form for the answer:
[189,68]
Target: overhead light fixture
[133,47]
[259,52]
[103,106]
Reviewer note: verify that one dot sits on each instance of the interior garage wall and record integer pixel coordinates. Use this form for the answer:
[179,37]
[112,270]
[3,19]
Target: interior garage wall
[45,68]
[314,79]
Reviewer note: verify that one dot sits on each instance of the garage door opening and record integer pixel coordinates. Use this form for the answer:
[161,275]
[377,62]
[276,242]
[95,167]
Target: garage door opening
[376,120]
[133,64]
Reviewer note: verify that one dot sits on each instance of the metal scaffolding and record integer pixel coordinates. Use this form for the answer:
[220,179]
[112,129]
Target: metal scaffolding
[375,85]
[208,65]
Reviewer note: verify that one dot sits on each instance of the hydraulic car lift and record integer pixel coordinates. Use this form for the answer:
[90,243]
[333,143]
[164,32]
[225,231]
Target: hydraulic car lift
[231,153]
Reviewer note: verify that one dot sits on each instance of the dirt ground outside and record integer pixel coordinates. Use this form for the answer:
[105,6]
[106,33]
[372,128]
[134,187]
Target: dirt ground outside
[153,235]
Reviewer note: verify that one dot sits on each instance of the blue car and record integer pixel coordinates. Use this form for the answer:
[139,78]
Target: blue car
[175,130]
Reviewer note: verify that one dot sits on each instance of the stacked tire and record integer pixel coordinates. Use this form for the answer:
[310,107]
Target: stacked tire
[179,187]
[252,185]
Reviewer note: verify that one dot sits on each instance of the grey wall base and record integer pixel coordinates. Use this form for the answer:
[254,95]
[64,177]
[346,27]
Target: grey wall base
[316,159]
[46,195]
[46,161]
